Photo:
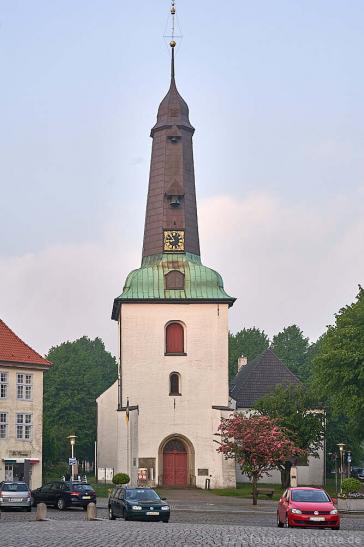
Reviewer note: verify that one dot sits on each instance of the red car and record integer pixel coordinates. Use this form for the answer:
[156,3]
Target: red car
[304,506]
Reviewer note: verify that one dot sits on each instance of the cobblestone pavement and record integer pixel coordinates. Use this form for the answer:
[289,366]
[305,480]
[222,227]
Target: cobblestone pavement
[58,533]
[264,518]
[186,528]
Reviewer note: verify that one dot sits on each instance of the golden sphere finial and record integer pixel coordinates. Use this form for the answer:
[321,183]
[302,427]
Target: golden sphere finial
[172,43]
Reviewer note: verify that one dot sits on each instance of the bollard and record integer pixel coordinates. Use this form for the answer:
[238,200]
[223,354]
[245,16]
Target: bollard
[91,512]
[41,513]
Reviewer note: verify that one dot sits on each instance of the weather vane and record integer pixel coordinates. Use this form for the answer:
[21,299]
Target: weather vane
[174,25]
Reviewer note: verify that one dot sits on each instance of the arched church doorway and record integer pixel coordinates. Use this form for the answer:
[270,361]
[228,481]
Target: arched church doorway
[175,463]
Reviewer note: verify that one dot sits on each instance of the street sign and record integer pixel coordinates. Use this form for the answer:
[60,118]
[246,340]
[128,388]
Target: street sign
[72,461]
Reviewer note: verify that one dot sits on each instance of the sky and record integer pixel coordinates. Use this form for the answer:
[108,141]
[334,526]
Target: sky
[275,91]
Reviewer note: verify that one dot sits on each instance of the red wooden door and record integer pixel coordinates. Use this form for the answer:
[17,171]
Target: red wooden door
[175,469]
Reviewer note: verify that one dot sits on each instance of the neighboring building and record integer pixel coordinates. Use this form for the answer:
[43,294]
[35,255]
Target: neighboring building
[163,413]
[21,409]
[258,378]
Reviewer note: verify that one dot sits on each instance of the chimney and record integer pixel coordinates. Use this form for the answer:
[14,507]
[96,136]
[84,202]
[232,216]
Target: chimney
[242,361]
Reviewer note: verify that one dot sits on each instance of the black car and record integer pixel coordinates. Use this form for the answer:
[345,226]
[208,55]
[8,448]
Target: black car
[137,503]
[64,494]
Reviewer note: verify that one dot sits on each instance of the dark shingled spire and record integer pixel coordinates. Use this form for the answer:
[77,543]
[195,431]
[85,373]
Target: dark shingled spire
[171,175]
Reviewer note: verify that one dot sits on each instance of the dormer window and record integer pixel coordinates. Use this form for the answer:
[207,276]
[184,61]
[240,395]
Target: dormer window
[174,280]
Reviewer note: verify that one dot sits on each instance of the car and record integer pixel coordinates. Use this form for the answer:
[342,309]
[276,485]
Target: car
[15,494]
[137,503]
[304,506]
[63,494]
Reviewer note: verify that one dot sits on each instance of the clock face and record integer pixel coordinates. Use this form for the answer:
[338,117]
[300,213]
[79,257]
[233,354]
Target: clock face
[174,240]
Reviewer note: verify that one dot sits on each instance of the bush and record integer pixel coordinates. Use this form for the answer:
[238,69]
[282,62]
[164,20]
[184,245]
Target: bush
[121,478]
[350,486]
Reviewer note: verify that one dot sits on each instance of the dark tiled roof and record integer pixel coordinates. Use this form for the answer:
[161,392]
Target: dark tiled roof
[260,377]
[13,349]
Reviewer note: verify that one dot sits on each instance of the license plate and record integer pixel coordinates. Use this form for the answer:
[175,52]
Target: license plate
[153,513]
[86,497]
[317,519]
[16,499]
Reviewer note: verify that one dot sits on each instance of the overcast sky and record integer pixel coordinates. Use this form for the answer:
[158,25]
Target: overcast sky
[275,91]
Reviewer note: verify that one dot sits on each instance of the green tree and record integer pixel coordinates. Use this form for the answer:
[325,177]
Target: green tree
[296,410]
[248,342]
[338,368]
[81,371]
[291,347]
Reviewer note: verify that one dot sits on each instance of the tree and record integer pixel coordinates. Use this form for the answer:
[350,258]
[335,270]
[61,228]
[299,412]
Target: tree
[291,347]
[294,408]
[81,371]
[248,343]
[256,443]
[338,368]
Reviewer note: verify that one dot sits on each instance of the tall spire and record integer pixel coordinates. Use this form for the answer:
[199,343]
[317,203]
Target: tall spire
[171,204]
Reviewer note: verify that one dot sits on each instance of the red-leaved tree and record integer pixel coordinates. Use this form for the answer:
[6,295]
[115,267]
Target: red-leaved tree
[256,443]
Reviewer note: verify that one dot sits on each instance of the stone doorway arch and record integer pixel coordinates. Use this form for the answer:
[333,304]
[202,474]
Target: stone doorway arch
[176,462]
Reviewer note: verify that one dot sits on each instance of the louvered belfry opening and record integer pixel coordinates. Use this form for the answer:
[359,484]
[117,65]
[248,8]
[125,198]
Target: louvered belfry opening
[174,338]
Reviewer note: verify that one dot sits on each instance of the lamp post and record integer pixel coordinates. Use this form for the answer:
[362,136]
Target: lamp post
[72,440]
[341,450]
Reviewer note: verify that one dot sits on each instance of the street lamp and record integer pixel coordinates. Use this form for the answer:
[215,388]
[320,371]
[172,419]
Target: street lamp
[72,440]
[341,449]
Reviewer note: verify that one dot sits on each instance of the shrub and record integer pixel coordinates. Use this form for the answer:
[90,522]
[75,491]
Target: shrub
[350,486]
[121,478]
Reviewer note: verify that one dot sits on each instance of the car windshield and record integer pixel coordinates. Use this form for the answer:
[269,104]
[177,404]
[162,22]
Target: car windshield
[15,487]
[318,496]
[142,495]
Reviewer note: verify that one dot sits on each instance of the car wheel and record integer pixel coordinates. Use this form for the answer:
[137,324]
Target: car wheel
[29,509]
[165,520]
[125,515]
[279,523]
[33,502]
[336,527]
[111,514]
[84,507]
[286,524]
[61,505]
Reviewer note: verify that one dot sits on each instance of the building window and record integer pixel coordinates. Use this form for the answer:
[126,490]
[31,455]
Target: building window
[3,385]
[174,339]
[24,427]
[3,425]
[24,386]
[175,280]
[174,384]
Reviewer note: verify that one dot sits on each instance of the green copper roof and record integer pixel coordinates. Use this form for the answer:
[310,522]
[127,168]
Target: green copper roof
[148,284]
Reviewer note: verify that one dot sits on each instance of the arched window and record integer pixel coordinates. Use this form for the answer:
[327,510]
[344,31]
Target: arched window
[174,381]
[174,339]
[174,280]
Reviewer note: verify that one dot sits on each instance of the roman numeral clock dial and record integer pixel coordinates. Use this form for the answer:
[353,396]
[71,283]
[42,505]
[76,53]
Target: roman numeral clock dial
[174,241]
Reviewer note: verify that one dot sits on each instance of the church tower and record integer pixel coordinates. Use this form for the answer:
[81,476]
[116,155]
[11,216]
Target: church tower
[173,330]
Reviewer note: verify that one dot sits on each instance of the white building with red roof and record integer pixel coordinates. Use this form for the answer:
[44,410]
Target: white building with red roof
[21,409]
